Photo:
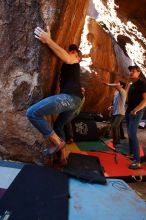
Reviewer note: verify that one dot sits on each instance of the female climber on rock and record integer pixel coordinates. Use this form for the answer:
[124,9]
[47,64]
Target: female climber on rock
[64,103]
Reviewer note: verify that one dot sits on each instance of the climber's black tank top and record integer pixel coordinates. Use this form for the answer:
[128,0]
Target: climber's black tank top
[70,79]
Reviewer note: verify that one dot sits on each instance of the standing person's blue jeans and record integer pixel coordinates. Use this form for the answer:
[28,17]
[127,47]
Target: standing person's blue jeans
[116,121]
[63,104]
[132,125]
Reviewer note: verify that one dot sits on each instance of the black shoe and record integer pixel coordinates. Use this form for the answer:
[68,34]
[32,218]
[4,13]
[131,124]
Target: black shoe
[134,165]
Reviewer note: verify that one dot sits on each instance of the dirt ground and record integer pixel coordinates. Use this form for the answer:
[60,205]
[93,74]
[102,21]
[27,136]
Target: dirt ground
[139,187]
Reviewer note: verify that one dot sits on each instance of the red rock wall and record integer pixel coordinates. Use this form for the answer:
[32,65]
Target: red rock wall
[29,70]
[108,63]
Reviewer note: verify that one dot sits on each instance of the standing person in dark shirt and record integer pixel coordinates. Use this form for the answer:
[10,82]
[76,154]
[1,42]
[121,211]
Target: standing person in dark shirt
[135,109]
[64,103]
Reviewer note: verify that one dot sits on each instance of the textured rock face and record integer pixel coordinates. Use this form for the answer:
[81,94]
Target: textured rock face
[125,20]
[29,70]
[135,12]
[19,76]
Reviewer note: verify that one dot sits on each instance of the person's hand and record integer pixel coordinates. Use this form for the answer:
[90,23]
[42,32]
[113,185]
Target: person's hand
[110,108]
[105,83]
[133,112]
[42,35]
[83,90]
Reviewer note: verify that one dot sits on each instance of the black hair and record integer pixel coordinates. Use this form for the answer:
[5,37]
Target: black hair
[75,47]
[123,84]
[134,67]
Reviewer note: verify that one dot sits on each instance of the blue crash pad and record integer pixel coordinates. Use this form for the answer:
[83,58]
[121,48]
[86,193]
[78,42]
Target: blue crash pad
[114,201]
